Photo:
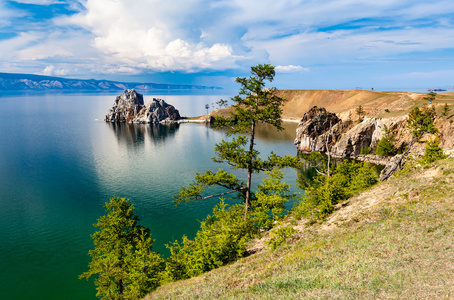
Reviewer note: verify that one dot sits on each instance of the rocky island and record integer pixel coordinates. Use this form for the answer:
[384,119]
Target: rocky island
[129,107]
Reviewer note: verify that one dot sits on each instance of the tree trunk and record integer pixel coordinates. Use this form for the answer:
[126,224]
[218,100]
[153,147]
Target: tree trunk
[247,201]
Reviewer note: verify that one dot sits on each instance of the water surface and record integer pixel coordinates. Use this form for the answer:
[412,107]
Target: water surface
[59,163]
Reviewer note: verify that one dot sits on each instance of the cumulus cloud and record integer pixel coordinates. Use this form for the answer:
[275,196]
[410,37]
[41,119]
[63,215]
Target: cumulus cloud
[290,69]
[150,36]
[129,37]
[51,70]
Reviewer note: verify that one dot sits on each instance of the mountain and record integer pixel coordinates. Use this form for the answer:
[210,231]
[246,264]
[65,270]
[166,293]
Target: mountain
[16,82]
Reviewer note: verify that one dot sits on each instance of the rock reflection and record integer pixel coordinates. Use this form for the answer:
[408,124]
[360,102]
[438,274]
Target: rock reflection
[134,134]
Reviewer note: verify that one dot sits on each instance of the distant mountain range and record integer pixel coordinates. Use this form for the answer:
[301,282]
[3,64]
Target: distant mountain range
[17,82]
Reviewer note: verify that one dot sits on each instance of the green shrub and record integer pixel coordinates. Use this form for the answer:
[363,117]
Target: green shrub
[323,192]
[269,202]
[221,239]
[279,237]
[422,121]
[432,152]
[365,150]
[385,146]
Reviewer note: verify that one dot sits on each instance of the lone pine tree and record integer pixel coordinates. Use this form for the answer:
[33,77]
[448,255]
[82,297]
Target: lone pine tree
[253,104]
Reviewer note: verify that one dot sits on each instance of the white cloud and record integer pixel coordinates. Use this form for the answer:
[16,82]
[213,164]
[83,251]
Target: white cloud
[153,35]
[123,36]
[51,70]
[290,69]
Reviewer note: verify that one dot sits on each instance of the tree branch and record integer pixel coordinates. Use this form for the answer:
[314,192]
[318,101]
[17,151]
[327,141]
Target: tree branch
[222,194]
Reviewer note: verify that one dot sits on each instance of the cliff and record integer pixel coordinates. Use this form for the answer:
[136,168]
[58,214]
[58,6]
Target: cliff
[129,107]
[322,131]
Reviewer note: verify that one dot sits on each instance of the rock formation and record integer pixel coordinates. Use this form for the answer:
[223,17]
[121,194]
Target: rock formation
[312,131]
[347,139]
[129,107]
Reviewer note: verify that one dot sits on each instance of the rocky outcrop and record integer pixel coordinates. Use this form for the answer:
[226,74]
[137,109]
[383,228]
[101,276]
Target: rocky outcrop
[312,131]
[157,111]
[348,140]
[129,107]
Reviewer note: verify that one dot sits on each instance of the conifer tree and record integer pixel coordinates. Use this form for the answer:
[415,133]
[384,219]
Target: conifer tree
[123,261]
[253,104]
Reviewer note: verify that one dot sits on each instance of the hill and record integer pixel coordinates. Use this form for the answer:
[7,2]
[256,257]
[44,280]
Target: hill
[343,102]
[395,240]
[17,82]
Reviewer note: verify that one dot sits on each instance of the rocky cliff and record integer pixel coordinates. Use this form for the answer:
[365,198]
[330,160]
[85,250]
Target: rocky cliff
[129,107]
[346,138]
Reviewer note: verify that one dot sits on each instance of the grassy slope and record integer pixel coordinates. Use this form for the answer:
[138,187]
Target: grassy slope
[342,101]
[394,241]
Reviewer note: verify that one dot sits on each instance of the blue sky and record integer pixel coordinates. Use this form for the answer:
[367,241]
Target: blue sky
[330,44]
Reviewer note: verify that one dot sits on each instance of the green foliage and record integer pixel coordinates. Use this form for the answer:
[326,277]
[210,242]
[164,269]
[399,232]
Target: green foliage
[360,112]
[324,192]
[446,110]
[433,152]
[365,150]
[387,110]
[221,239]
[385,146]
[279,237]
[269,202]
[430,97]
[123,260]
[222,236]
[422,121]
[222,103]
[253,104]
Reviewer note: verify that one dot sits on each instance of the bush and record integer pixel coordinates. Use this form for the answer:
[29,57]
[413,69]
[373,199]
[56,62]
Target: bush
[324,192]
[432,152]
[365,150]
[269,202]
[279,237]
[385,146]
[422,121]
[221,239]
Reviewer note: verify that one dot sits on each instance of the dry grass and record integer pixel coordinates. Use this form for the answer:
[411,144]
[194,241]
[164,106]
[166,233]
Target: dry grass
[342,102]
[395,241]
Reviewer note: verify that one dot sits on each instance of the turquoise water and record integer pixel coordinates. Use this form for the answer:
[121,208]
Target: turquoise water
[59,163]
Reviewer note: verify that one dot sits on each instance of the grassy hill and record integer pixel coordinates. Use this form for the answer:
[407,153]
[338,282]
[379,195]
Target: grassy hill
[342,102]
[395,241]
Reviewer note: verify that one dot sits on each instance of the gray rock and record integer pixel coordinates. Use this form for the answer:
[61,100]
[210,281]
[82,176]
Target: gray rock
[313,129]
[129,107]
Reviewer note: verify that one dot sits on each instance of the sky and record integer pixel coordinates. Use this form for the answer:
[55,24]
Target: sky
[313,44]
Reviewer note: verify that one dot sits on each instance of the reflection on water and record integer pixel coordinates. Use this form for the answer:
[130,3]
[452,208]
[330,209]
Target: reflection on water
[134,134]
[267,132]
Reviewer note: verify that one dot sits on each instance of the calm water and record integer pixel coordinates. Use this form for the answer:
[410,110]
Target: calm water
[59,163]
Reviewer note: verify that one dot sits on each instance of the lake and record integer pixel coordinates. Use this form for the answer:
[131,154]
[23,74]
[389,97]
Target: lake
[59,164]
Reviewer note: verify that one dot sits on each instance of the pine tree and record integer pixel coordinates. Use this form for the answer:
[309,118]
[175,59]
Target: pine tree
[446,110]
[253,104]
[123,260]
[432,151]
[430,97]
[360,112]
